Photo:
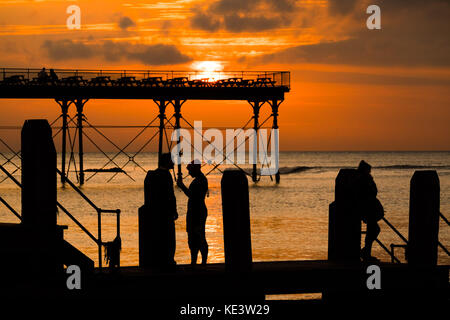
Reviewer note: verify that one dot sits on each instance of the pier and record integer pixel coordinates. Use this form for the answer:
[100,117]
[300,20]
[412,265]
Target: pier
[76,87]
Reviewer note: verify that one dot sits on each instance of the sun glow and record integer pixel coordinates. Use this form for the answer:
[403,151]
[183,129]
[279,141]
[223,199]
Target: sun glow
[207,70]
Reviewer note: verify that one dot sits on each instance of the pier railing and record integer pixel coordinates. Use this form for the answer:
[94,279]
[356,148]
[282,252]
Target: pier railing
[391,252]
[146,78]
[100,211]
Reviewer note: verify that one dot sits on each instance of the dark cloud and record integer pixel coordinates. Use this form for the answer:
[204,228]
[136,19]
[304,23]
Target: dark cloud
[67,49]
[342,6]
[416,35]
[244,16]
[204,21]
[158,54]
[125,23]
[153,54]
[236,23]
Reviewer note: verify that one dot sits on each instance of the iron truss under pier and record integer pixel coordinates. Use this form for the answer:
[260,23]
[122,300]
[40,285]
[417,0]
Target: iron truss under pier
[76,87]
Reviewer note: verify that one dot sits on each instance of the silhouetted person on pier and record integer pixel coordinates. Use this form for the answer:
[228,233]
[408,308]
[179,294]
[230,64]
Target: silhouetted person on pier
[161,203]
[196,212]
[370,207]
[42,75]
[53,76]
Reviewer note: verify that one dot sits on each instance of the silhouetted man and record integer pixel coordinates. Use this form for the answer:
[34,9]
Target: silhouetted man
[53,76]
[42,75]
[370,208]
[196,212]
[161,210]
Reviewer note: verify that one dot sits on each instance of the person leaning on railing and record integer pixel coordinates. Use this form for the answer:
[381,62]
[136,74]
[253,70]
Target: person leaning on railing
[370,207]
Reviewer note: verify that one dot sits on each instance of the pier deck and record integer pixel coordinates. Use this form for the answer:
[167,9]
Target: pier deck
[268,278]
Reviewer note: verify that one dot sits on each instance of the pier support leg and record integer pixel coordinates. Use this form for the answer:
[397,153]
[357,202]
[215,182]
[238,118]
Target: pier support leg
[79,103]
[275,105]
[177,107]
[344,229]
[236,221]
[162,117]
[64,109]
[424,208]
[256,105]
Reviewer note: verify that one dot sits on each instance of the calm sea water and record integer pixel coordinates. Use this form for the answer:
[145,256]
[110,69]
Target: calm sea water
[289,221]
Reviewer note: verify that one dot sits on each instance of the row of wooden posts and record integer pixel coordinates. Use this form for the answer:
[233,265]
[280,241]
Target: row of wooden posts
[39,206]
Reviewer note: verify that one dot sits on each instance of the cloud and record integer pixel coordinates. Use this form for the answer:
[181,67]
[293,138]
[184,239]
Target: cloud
[243,16]
[125,23]
[152,54]
[67,49]
[414,35]
[236,23]
[158,54]
[342,7]
[204,21]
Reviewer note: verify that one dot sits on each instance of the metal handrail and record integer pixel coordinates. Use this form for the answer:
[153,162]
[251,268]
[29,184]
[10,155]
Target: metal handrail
[97,240]
[444,218]
[282,78]
[393,257]
[10,208]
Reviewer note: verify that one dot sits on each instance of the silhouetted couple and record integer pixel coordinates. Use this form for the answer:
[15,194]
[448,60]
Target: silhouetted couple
[44,77]
[370,208]
[161,213]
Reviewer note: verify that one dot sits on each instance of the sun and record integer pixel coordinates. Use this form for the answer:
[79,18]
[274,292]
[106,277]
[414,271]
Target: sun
[207,70]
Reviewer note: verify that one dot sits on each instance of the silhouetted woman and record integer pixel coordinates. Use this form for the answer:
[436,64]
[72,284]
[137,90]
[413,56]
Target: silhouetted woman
[196,212]
[370,208]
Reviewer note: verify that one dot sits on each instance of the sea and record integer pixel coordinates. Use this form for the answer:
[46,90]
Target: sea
[289,220]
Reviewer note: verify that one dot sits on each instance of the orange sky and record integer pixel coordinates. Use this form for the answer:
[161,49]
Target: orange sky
[351,88]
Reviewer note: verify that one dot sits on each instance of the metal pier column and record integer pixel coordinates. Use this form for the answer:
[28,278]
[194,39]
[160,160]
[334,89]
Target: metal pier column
[275,104]
[64,104]
[162,116]
[79,103]
[256,105]
[177,107]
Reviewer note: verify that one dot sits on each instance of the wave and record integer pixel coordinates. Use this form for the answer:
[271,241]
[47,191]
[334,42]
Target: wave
[297,169]
[411,166]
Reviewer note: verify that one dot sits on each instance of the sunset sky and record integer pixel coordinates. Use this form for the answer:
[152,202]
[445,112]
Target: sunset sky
[351,88]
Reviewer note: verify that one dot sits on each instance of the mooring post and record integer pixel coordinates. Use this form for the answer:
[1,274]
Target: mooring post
[424,208]
[162,116]
[177,115]
[344,228]
[79,103]
[38,174]
[256,105]
[64,109]
[275,105]
[39,185]
[236,221]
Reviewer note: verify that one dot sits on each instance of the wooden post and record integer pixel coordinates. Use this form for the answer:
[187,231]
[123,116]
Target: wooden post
[39,183]
[236,221]
[38,175]
[344,233]
[424,208]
